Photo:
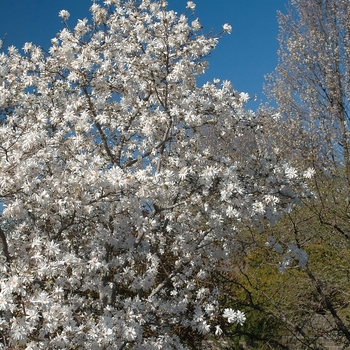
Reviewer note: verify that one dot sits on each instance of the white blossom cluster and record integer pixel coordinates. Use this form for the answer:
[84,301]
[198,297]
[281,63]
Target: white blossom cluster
[114,213]
[234,316]
[291,254]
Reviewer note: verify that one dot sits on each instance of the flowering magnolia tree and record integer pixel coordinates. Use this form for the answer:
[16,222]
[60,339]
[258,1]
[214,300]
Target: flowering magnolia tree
[116,213]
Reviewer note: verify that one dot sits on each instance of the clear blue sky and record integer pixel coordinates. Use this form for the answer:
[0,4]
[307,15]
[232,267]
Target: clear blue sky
[243,57]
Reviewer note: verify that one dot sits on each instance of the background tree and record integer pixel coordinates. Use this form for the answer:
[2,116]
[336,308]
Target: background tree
[310,84]
[310,127]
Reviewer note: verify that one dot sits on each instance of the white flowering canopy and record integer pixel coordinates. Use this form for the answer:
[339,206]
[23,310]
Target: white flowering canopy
[115,212]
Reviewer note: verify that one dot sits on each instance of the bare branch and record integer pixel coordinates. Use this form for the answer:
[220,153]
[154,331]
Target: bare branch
[5,248]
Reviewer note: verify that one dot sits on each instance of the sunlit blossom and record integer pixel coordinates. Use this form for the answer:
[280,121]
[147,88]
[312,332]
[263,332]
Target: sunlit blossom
[191,5]
[309,173]
[234,316]
[64,14]
[244,97]
[291,172]
[227,28]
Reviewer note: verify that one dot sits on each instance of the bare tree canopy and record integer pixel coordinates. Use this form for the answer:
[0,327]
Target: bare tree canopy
[311,82]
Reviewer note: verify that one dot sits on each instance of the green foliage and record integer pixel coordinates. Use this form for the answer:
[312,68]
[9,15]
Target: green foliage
[288,308]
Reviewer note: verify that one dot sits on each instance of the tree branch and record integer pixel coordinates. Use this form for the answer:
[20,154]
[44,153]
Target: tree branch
[5,248]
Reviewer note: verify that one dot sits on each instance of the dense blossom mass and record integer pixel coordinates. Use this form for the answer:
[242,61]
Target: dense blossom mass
[116,211]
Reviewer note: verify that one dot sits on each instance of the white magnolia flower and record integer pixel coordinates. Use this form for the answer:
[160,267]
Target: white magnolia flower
[227,28]
[244,97]
[232,212]
[191,5]
[218,330]
[4,301]
[234,316]
[291,172]
[64,14]
[196,25]
[130,333]
[259,208]
[309,173]
[27,47]
[183,173]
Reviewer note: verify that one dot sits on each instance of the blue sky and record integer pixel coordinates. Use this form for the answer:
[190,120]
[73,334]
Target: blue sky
[243,57]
